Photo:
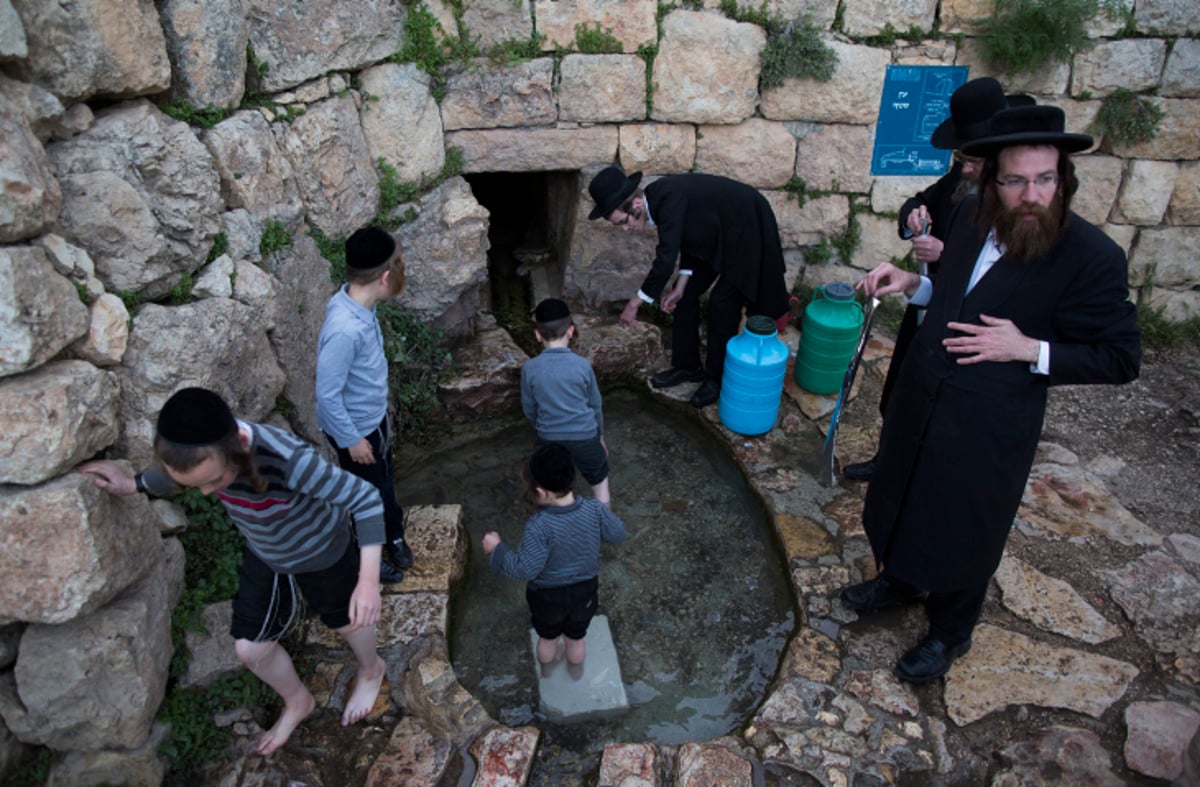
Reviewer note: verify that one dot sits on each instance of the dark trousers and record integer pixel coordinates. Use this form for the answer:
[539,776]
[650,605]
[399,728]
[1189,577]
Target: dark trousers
[725,304]
[381,475]
[953,615]
[904,338]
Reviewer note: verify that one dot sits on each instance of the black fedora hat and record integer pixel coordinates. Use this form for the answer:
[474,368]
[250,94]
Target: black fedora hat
[1036,125]
[609,189]
[971,106]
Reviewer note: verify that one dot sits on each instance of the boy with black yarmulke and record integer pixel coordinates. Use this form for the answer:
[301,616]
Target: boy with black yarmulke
[559,555]
[561,399]
[296,511]
[352,380]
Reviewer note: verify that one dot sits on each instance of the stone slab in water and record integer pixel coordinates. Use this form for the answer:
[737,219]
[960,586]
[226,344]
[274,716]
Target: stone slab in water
[598,691]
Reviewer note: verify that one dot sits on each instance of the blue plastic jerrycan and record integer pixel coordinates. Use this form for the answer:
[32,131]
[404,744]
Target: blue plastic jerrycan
[752,383]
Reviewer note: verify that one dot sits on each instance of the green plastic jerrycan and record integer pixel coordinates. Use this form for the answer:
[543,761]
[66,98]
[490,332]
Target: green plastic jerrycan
[828,338]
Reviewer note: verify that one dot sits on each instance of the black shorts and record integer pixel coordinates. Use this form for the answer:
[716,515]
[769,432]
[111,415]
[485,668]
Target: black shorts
[563,610]
[589,457]
[266,604]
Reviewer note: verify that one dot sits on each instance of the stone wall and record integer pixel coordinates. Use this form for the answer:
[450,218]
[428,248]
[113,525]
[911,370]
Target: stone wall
[112,295]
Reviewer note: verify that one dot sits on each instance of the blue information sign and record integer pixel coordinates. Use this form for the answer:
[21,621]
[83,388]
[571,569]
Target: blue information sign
[915,100]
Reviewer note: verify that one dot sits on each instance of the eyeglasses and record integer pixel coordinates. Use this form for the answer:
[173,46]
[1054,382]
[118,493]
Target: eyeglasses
[1019,184]
[968,161]
[624,221]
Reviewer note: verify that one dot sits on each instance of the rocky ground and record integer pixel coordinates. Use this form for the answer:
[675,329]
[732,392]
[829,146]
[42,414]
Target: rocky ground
[1085,669]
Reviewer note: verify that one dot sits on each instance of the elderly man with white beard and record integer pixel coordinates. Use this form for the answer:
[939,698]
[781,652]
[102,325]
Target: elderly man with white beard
[1029,295]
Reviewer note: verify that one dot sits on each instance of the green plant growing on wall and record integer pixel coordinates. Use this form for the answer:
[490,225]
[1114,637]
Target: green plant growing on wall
[275,237]
[1022,36]
[647,53]
[430,48]
[1125,118]
[797,190]
[393,192]
[219,247]
[799,52]
[594,41]
[181,293]
[515,50]
[846,242]
[207,117]
[132,301]
[82,291]
[753,15]
[418,360]
[334,250]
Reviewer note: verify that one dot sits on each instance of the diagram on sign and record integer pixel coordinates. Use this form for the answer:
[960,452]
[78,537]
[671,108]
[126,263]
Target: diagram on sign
[916,99]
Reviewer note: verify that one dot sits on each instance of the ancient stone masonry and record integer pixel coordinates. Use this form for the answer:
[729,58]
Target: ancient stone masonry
[170,169]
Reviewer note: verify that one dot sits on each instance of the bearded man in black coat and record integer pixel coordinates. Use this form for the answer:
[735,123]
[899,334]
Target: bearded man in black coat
[718,230]
[1029,295]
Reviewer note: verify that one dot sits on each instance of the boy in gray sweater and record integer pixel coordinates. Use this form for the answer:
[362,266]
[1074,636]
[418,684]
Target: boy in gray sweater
[561,399]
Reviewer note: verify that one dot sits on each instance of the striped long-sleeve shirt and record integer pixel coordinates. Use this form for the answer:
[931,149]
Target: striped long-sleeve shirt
[561,545]
[301,522]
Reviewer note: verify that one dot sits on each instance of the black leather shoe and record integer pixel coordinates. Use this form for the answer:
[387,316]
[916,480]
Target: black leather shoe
[398,554]
[706,394]
[929,660]
[879,593]
[860,471]
[673,377]
[389,574]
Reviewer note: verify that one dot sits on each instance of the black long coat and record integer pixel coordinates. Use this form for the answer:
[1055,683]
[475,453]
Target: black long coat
[959,440]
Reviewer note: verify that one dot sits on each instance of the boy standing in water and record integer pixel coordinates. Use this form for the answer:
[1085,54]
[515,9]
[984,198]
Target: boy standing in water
[352,380]
[559,555]
[295,510]
[561,399]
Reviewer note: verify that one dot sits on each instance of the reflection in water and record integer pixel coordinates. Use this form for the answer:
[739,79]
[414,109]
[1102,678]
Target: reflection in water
[697,597]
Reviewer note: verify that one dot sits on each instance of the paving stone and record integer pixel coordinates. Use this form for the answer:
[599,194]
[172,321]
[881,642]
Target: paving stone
[629,765]
[1186,546]
[415,754]
[812,656]
[1073,756]
[802,537]
[1158,736]
[505,756]
[597,690]
[1069,503]
[715,762]
[884,691]
[1050,604]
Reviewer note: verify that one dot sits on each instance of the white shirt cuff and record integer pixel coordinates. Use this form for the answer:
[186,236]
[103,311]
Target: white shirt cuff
[645,297]
[923,294]
[1043,362]
[685,272]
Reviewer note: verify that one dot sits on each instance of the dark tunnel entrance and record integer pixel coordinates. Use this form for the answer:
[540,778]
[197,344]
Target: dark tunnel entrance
[529,231]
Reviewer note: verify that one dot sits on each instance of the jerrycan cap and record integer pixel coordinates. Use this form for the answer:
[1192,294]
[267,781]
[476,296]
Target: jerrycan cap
[839,291]
[760,325]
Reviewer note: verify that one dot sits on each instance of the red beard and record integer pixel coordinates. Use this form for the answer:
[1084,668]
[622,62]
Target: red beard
[1024,237]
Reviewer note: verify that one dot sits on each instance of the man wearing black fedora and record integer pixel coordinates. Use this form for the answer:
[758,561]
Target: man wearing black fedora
[925,217]
[1029,296]
[719,230]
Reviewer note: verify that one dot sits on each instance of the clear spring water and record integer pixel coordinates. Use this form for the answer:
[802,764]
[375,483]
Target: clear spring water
[697,597]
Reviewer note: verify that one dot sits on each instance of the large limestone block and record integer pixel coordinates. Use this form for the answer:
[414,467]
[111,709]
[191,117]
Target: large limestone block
[69,548]
[1146,192]
[851,96]
[706,70]
[1099,181]
[141,195]
[821,14]
[1132,63]
[494,21]
[13,44]
[602,88]
[401,121]
[1176,305]
[889,192]
[139,766]
[869,17]
[1168,256]
[1080,115]
[333,166]
[657,148]
[879,242]
[1049,79]
[632,22]
[302,289]
[206,41]
[1167,16]
[300,41]
[758,152]
[810,223]
[255,174]
[1110,21]
[1185,199]
[534,150]
[1051,604]
[41,108]
[91,48]
[489,380]
[445,257]
[31,197]
[96,682]
[107,334]
[830,157]
[1178,135]
[606,266]
[1067,502]
[1181,77]
[930,52]
[215,343]
[40,310]
[966,16]
[54,417]
[487,96]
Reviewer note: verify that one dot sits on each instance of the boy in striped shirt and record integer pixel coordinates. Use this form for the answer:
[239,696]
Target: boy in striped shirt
[295,510]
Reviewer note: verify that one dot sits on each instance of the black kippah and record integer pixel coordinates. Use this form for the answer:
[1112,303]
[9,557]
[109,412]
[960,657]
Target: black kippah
[369,248]
[550,310]
[552,469]
[195,416]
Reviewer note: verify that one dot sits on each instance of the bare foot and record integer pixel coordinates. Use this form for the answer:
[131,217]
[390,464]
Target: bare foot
[365,691]
[288,721]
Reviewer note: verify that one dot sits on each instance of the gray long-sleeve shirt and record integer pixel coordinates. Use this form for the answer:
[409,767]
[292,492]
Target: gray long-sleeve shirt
[560,396]
[561,545]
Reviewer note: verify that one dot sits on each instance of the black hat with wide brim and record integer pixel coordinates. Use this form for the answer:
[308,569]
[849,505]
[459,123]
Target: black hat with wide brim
[971,106]
[609,189]
[1036,125]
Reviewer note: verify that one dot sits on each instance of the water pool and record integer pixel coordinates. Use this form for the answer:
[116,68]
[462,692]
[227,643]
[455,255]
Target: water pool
[697,597]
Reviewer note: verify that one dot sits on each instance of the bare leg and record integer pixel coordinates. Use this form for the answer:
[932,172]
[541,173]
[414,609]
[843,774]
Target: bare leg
[273,666]
[547,650]
[371,671]
[600,492]
[576,650]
